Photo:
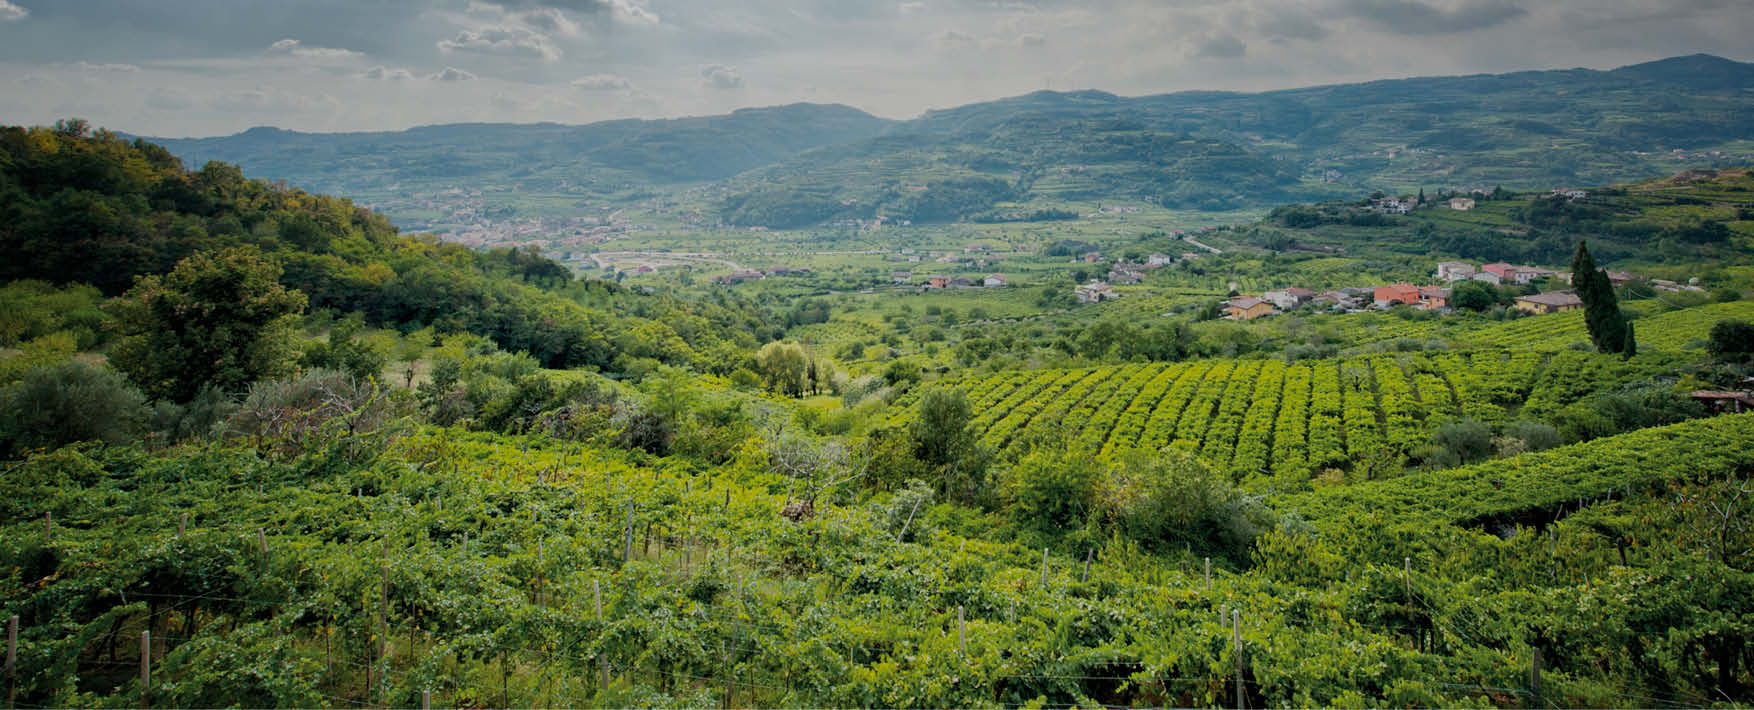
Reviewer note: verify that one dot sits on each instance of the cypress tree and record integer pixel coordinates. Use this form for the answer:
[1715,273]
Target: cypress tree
[1630,346]
[1602,316]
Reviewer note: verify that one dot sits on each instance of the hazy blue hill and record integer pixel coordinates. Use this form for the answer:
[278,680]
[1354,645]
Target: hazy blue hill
[659,151]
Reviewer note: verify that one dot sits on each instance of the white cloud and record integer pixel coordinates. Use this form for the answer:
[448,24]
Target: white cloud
[105,68]
[12,13]
[951,39]
[909,8]
[509,40]
[294,48]
[383,73]
[601,82]
[452,74]
[719,76]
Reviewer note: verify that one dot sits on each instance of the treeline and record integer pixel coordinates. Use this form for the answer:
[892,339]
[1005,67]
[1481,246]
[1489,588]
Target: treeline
[78,206]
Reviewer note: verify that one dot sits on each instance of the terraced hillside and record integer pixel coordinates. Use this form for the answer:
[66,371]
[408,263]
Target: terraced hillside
[1268,421]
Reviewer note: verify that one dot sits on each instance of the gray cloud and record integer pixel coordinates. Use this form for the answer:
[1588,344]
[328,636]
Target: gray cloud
[12,13]
[601,82]
[1292,23]
[295,48]
[1410,17]
[1221,46]
[452,74]
[503,40]
[383,73]
[719,76]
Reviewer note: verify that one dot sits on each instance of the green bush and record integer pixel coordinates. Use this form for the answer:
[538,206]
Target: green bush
[71,401]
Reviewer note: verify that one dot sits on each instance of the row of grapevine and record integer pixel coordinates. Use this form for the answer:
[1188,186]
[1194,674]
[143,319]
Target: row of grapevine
[1095,427]
[1290,450]
[1327,443]
[1193,420]
[1648,460]
[1219,440]
[1131,420]
[1078,403]
[1567,377]
[1034,387]
[1402,415]
[1024,412]
[1160,421]
[1363,429]
[1254,445]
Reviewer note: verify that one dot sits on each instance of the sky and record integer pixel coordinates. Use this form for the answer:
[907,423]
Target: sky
[181,68]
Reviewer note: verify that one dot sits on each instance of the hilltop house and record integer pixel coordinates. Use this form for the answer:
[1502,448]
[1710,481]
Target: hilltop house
[1159,260]
[1247,308]
[1123,275]
[1461,203]
[1386,296]
[993,281]
[1289,298]
[1095,292]
[1432,298]
[1455,271]
[1549,302]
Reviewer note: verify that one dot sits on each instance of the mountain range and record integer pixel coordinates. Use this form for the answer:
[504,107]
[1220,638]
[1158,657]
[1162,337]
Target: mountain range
[806,163]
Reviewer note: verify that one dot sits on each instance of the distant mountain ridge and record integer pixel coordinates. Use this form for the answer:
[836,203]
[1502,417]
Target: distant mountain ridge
[1208,149]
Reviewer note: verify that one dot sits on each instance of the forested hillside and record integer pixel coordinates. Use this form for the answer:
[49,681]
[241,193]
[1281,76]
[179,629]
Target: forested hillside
[96,209]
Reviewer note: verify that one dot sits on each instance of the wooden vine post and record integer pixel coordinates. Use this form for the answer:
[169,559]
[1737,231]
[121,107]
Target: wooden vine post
[1208,574]
[1236,646]
[1044,568]
[11,660]
[1088,553]
[602,661]
[146,669]
[627,546]
[1535,678]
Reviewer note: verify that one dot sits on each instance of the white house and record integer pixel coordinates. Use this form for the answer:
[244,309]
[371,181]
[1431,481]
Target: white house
[993,281]
[1095,292]
[1455,271]
[1159,260]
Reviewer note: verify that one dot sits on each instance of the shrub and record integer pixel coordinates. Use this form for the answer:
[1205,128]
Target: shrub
[1173,500]
[59,404]
[320,405]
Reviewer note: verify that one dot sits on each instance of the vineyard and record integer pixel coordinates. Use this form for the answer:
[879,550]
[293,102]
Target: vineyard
[475,570]
[1264,420]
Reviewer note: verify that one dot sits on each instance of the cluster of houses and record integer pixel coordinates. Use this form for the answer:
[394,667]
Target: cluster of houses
[1352,300]
[1422,297]
[906,278]
[737,277]
[1501,273]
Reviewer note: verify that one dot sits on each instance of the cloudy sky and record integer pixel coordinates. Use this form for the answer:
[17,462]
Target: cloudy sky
[213,67]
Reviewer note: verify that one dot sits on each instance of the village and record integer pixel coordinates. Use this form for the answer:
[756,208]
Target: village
[1437,297]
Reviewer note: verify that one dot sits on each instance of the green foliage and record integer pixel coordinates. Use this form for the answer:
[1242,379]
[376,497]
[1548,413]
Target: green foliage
[1473,295]
[1173,501]
[218,318]
[56,405]
[345,351]
[32,309]
[1731,341]
[945,442]
[1602,316]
